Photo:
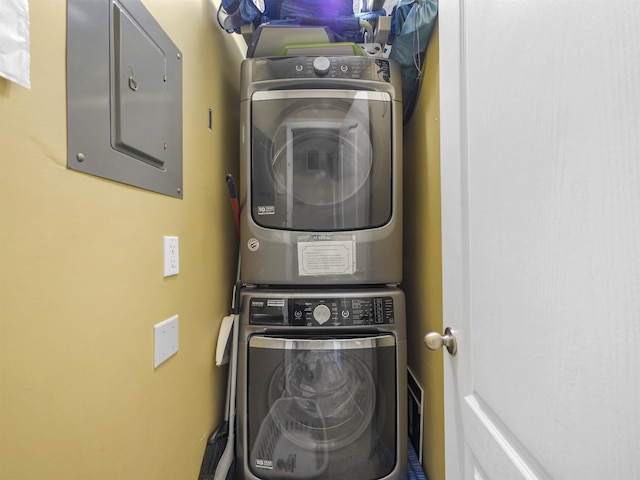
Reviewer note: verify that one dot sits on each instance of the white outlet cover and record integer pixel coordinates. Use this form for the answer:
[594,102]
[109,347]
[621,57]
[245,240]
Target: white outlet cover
[165,336]
[171,256]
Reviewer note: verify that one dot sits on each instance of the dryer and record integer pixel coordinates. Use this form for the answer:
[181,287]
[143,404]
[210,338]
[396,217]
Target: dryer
[321,171]
[322,384]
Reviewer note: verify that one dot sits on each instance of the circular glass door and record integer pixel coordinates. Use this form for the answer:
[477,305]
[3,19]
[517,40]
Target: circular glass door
[321,160]
[332,390]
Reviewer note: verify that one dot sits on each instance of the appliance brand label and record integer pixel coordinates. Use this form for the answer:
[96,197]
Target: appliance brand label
[263,463]
[275,303]
[321,237]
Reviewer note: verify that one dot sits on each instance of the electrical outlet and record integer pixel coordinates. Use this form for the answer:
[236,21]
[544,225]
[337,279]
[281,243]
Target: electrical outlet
[165,340]
[171,256]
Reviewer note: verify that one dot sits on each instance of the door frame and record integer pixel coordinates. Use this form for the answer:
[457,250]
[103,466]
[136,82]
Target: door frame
[454,208]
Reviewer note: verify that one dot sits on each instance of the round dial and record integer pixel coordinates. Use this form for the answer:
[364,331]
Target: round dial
[321,65]
[321,314]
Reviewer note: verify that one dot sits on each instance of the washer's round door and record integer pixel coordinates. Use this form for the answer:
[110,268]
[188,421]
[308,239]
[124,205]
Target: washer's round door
[321,406]
[333,390]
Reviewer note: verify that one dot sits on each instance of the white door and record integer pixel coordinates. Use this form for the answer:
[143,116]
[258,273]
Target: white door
[540,159]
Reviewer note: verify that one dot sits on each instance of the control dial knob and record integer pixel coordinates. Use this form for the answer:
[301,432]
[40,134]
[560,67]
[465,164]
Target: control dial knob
[321,65]
[321,314]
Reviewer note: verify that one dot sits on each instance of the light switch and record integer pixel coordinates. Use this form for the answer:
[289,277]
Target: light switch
[165,340]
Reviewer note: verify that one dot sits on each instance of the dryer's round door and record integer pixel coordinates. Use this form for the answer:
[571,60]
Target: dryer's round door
[318,157]
[330,160]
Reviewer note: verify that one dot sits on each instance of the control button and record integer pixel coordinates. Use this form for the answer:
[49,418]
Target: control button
[345,313]
[299,68]
[344,68]
[321,65]
[321,314]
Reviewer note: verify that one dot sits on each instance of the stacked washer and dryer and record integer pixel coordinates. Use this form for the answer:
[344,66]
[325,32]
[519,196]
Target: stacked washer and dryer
[322,341]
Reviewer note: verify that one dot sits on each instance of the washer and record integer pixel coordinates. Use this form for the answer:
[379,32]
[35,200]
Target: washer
[321,171]
[322,384]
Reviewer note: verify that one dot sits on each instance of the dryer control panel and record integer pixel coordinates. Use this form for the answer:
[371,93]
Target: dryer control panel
[315,312]
[341,67]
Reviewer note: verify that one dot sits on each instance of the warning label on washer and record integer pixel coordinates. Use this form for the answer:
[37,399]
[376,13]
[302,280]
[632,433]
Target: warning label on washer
[327,257]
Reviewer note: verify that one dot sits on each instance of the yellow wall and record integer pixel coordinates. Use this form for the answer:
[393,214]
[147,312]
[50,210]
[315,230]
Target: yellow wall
[423,259]
[81,280]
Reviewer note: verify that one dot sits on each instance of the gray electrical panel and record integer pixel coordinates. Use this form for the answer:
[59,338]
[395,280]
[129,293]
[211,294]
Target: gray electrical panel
[124,96]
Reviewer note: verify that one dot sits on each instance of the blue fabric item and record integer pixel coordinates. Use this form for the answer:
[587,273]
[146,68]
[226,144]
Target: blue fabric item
[414,469]
[337,15]
[373,15]
[271,10]
[315,8]
[240,12]
[412,24]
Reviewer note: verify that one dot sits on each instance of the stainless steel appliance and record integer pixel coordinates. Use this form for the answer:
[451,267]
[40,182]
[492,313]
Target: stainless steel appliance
[321,171]
[322,384]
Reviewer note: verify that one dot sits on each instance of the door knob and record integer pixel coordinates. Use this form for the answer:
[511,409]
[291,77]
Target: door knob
[435,341]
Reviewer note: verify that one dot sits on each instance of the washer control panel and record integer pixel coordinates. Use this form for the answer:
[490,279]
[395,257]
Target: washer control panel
[315,312]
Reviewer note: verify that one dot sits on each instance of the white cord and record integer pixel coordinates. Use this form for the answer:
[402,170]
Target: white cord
[417,62]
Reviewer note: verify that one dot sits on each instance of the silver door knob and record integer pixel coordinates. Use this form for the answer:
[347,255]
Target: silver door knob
[435,341]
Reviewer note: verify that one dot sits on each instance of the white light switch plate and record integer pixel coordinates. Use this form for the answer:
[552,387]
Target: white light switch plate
[171,256]
[165,340]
